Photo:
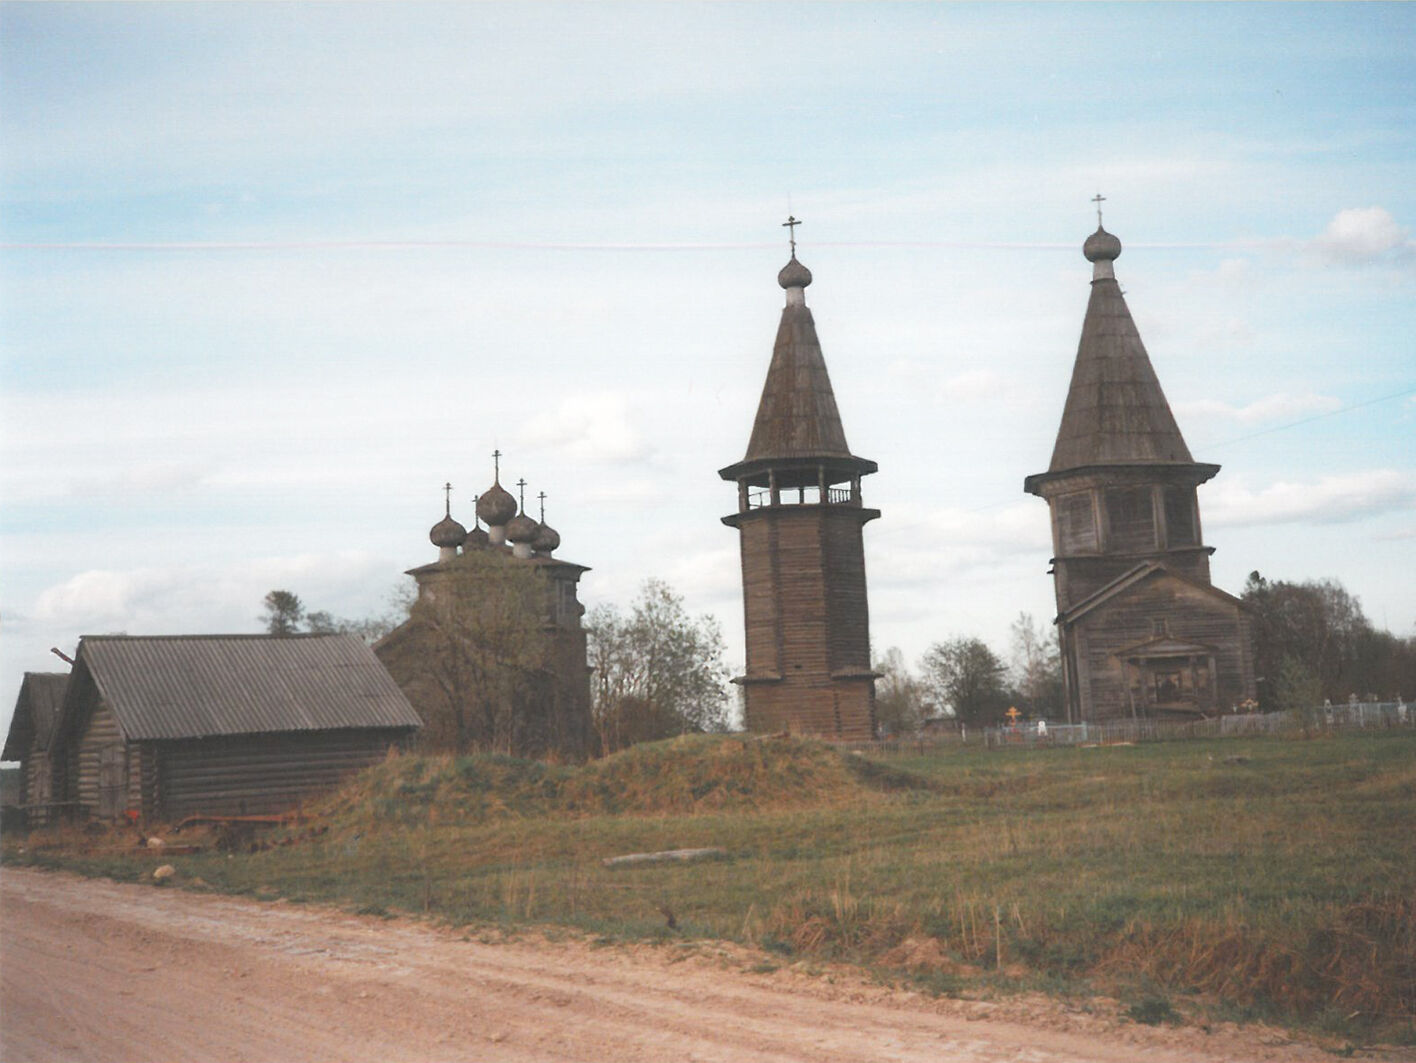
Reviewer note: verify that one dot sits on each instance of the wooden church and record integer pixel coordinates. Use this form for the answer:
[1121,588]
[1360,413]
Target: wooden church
[1142,631]
[441,657]
[799,520]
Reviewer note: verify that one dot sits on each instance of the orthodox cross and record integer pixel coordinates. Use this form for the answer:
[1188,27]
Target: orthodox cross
[447,499]
[1098,199]
[542,497]
[476,520]
[521,491]
[790,225]
[496,466]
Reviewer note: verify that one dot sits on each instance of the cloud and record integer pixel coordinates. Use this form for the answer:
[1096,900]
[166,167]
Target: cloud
[589,428]
[1362,234]
[1328,500]
[1279,406]
[195,598]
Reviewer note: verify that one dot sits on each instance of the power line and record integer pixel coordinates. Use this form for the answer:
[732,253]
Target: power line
[1309,420]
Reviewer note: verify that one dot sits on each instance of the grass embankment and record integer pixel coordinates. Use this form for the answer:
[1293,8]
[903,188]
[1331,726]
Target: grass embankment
[1261,877]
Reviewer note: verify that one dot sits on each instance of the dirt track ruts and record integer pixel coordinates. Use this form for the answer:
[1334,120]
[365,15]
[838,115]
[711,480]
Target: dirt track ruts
[96,971]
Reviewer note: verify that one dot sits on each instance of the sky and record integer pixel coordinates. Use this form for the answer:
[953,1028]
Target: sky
[271,274]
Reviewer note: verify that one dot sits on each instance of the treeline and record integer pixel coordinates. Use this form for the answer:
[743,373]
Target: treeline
[1312,643]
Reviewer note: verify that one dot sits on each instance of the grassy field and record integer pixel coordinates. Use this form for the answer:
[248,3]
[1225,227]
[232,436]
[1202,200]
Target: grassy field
[1235,878]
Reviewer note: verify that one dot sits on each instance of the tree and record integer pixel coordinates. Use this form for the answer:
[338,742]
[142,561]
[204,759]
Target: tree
[1036,667]
[1295,687]
[899,696]
[283,613]
[966,675]
[479,642]
[1317,623]
[657,672]
[369,628]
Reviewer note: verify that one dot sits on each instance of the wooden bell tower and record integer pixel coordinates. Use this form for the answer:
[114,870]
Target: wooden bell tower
[800,521]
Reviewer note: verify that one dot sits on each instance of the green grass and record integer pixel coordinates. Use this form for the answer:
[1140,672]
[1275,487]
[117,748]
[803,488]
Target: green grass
[1263,877]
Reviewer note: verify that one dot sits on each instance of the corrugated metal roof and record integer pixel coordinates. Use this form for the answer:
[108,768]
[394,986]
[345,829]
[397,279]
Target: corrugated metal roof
[41,697]
[193,686]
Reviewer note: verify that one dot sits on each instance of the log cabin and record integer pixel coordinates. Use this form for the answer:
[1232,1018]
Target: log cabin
[165,727]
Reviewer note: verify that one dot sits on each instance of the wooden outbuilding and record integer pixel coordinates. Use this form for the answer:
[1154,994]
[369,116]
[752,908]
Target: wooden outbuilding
[171,726]
[800,521]
[1142,632]
[30,737]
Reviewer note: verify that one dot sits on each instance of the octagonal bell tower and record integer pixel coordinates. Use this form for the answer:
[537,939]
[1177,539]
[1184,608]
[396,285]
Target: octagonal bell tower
[800,520]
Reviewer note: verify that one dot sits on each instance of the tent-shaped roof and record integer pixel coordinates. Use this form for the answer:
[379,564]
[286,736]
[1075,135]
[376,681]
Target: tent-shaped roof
[797,418]
[197,686]
[1116,412]
[36,713]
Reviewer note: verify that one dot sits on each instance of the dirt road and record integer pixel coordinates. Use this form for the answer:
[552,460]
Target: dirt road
[96,971]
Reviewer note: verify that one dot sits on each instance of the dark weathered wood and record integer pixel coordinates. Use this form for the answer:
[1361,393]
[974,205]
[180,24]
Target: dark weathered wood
[1142,632]
[805,612]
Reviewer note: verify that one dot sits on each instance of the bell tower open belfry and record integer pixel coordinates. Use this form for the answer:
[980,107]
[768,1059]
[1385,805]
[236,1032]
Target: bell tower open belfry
[800,521]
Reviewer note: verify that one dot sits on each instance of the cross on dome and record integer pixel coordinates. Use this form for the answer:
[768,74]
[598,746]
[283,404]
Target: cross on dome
[790,225]
[1098,199]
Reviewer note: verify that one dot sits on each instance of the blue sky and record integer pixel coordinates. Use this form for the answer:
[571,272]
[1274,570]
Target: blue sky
[270,274]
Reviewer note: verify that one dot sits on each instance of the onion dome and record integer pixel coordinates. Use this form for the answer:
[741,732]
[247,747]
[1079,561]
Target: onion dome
[794,275]
[547,539]
[477,537]
[521,529]
[1101,246]
[447,533]
[496,506]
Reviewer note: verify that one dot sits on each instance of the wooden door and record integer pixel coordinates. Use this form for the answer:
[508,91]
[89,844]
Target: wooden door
[112,780]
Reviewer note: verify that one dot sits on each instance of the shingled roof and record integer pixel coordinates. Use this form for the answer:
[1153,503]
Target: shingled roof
[797,418]
[36,712]
[1116,412]
[198,686]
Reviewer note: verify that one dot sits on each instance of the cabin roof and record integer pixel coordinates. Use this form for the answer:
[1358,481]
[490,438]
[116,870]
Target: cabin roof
[198,686]
[36,712]
[1130,578]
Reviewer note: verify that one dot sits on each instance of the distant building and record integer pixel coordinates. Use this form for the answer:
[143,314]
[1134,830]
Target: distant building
[171,726]
[1142,631]
[799,520]
[552,714]
[31,735]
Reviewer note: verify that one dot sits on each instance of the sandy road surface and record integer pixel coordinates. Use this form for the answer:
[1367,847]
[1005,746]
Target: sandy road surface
[95,971]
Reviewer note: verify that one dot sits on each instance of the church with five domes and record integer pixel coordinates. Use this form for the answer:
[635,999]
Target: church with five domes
[493,654]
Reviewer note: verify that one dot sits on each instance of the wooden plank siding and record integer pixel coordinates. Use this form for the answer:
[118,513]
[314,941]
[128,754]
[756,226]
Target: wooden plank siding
[257,774]
[1193,613]
[804,601]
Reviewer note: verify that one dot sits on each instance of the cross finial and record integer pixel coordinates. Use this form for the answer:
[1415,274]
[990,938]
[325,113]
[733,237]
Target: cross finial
[476,520]
[521,491]
[1098,199]
[447,499]
[496,466]
[790,225]
[542,498]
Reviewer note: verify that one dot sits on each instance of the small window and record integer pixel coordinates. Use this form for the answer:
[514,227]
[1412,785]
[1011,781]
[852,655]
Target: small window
[1160,627]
